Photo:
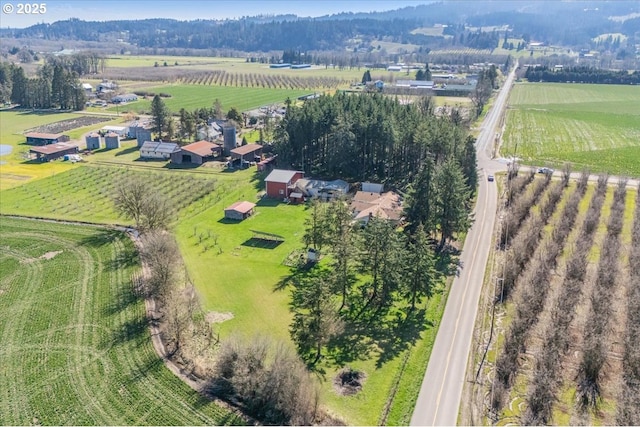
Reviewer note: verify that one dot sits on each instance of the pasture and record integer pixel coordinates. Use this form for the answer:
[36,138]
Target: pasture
[593,126]
[75,343]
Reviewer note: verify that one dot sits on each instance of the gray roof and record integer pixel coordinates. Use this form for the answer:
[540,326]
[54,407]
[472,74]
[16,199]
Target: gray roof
[280,175]
[160,147]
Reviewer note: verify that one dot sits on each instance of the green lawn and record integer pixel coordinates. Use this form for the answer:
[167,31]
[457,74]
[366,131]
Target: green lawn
[594,126]
[75,345]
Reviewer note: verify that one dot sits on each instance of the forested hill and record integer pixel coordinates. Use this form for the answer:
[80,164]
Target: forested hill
[564,23]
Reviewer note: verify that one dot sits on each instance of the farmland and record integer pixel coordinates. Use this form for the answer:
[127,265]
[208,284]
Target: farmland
[564,260]
[86,193]
[191,97]
[16,171]
[75,344]
[592,126]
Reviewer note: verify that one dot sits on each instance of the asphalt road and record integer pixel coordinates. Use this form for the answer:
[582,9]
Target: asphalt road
[441,391]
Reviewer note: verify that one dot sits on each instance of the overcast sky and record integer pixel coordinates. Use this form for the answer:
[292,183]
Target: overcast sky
[107,10]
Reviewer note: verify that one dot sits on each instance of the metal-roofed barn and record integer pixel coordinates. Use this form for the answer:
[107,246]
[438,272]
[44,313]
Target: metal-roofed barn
[197,153]
[247,153]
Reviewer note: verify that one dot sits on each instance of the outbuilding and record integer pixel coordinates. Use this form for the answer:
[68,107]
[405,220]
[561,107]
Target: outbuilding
[38,138]
[247,153]
[280,183]
[239,210]
[158,150]
[197,153]
[49,152]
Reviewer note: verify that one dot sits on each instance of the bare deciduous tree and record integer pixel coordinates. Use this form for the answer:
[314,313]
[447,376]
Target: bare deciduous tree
[137,201]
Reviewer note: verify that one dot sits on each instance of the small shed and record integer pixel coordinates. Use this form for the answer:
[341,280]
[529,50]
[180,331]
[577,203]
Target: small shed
[53,151]
[239,210]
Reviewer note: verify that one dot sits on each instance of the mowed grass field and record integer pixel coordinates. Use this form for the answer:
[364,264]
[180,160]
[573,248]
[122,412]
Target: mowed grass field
[75,343]
[592,126]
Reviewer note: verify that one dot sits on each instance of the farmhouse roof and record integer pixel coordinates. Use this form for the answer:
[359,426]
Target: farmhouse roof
[246,149]
[386,205]
[39,135]
[201,148]
[53,148]
[282,176]
[160,147]
[242,207]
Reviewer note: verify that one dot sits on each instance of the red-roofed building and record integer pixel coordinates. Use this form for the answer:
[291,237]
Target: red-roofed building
[280,183]
[53,151]
[197,153]
[247,153]
[239,210]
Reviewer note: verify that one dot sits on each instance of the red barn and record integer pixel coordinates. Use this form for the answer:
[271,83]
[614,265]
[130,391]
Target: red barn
[280,182]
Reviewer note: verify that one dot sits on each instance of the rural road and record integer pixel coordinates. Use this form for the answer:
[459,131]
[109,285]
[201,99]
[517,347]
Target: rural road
[441,390]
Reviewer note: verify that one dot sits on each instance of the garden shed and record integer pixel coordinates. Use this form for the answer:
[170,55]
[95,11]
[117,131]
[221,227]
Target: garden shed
[239,210]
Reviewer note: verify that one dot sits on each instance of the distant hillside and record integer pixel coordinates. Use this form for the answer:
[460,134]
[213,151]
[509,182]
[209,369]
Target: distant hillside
[563,23]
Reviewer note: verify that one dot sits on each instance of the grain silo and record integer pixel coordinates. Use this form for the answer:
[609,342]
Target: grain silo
[229,133]
[93,141]
[112,140]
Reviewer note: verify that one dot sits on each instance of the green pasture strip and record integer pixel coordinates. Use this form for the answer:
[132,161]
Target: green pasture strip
[191,97]
[86,193]
[593,126]
[76,347]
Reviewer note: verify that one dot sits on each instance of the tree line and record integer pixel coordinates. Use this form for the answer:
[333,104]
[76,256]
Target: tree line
[581,74]
[370,137]
[54,86]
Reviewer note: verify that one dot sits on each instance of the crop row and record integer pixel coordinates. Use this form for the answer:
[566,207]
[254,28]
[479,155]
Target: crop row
[269,81]
[533,285]
[87,193]
[600,313]
[629,399]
